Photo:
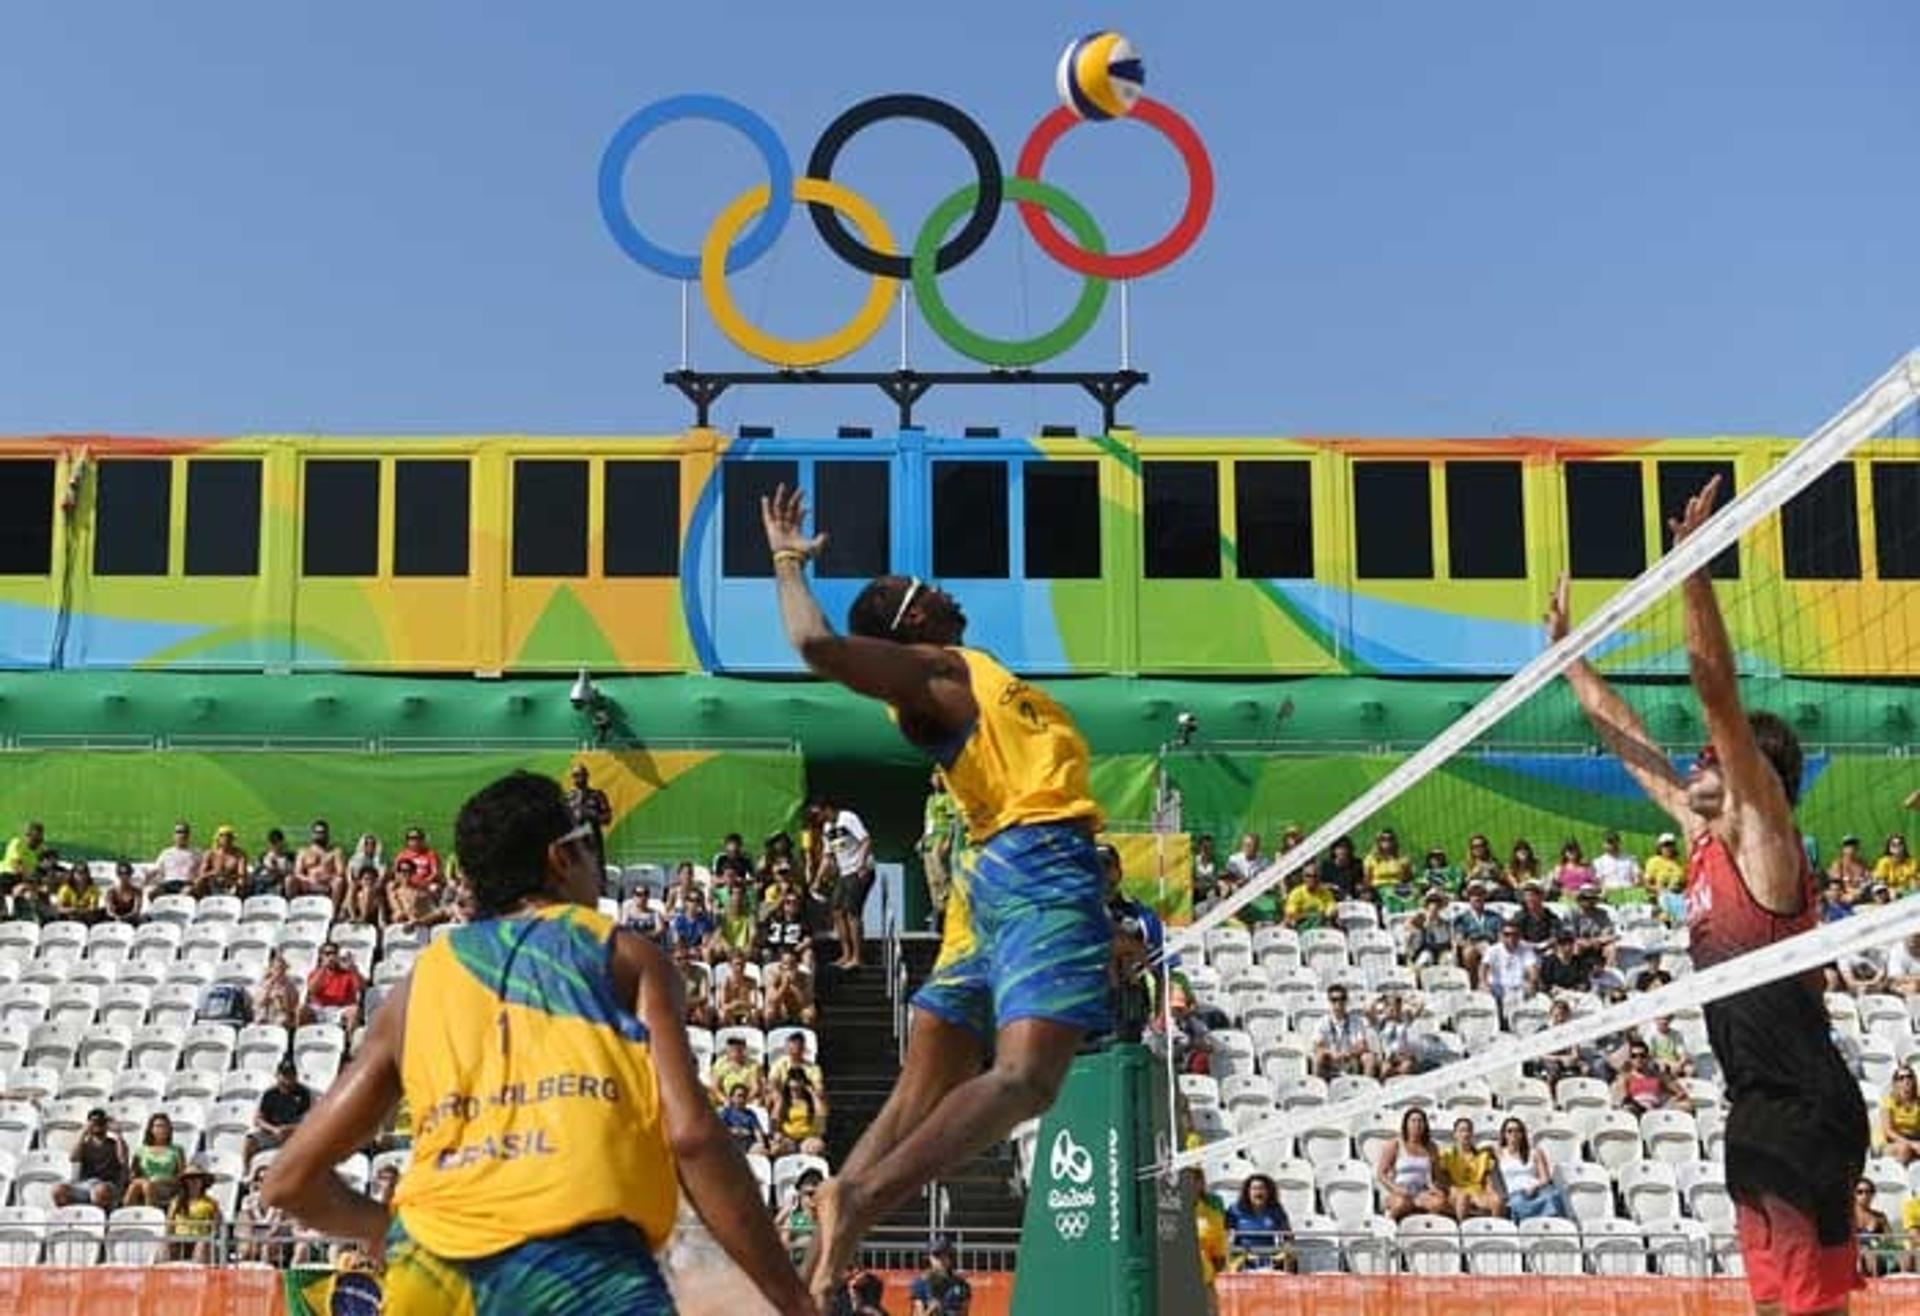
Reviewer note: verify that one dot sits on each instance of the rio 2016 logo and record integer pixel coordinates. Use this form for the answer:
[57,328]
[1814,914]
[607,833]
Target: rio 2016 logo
[1070,1164]
[731,245]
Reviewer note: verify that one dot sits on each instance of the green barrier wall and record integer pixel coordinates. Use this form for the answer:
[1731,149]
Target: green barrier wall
[666,805]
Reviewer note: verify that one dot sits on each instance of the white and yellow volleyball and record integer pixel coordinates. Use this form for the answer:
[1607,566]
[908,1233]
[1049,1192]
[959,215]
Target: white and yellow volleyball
[1100,76]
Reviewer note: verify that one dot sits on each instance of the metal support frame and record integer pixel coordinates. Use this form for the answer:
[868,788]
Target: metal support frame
[907,387]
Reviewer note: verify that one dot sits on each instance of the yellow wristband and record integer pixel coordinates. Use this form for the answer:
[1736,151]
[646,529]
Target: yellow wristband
[789,555]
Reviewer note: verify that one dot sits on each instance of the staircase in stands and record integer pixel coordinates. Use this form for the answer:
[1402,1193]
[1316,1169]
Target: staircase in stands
[860,1054]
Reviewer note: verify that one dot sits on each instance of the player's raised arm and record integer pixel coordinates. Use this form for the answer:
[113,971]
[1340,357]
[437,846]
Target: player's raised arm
[924,681]
[1757,801]
[1619,726]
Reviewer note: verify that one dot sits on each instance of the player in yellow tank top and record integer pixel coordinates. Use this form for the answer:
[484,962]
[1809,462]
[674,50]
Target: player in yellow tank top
[556,1107]
[1027,946]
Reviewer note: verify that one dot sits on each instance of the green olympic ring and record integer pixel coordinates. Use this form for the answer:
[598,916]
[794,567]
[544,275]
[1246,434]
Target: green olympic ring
[1007,352]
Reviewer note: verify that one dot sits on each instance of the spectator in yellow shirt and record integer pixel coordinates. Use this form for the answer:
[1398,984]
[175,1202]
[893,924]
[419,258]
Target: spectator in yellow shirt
[78,898]
[1664,872]
[1897,867]
[1900,1118]
[1466,1172]
[23,851]
[1385,866]
[1311,904]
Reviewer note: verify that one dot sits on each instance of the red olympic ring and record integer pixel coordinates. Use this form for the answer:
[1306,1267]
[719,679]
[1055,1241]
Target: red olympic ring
[1124,264]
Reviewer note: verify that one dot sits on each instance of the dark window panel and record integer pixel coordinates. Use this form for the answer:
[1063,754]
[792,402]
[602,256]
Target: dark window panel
[549,518]
[431,504]
[26,527]
[1273,512]
[1820,528]
[1486,521]
[743,547]
[223,518]
[1896,519]
[1182,519]
[1606,521]
[1393,520]
[642,536]
[970,523]
[1681,480]
[340,525]
[1061,518]
[852,500]
[133,510]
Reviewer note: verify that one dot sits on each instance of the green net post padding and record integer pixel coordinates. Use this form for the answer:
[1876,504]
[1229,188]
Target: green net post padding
[1099,1240]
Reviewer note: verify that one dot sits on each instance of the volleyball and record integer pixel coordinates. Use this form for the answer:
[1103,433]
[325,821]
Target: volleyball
[1100,76]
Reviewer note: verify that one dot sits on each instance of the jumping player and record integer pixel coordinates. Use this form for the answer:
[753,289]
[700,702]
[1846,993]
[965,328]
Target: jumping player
[553,1093]
[1023,967]
[1796,1124]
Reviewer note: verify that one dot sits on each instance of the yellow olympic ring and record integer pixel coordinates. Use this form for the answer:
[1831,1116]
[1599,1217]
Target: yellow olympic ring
[795,353]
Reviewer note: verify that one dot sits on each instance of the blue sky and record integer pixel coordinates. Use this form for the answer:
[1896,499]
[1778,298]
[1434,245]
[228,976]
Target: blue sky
[1633,218]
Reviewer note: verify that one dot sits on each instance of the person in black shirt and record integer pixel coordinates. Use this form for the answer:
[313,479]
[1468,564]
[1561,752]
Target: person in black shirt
[1340,871]
[281,1108]
[1562,968]
[787,929]
[1538,924]
[589,807]
[100,1165]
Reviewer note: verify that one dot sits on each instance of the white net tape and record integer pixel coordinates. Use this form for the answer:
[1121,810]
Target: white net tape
[1807,952]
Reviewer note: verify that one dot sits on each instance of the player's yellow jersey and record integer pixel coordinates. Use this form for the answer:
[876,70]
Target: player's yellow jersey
[1022,762]
[536,1108]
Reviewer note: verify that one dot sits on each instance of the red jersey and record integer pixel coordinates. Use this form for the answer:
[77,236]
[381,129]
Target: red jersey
[1723,918]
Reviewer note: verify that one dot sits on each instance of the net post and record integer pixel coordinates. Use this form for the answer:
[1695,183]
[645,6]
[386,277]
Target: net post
[1100,1237]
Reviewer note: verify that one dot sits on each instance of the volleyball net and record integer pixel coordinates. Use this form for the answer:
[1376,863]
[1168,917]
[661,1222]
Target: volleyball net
[1814,551]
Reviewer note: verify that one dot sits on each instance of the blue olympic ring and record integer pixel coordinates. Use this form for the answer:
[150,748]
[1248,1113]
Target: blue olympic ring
[717,109]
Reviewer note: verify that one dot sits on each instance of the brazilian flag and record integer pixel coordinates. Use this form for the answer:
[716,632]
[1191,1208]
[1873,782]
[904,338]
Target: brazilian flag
[333,1293]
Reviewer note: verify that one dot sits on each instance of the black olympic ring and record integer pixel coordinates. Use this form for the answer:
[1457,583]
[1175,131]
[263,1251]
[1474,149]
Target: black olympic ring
[904,105]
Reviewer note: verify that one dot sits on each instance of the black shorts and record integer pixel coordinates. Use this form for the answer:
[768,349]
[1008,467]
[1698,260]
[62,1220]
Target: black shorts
[850,891]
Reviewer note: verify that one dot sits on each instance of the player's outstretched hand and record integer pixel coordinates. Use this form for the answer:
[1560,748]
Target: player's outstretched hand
[1557,611]
[1699,508]
[785,516]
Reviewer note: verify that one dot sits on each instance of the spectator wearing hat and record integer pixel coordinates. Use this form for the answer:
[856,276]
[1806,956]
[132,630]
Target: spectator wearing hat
[1593,931]
[1310,904]
[734,1066]
[194,1218]
[223,868]
[1510,969]
[100,1165]
[1475,927]
[280,1110]
[1440,873]
[940,1289]
[1617,871]
[1666,872]
[177,867]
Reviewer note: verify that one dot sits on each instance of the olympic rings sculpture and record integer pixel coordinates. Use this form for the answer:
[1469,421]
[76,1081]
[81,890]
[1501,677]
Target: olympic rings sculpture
[748,226]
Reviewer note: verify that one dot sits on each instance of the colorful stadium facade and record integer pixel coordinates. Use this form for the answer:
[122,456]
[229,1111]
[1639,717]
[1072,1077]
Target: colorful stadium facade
[1127,554]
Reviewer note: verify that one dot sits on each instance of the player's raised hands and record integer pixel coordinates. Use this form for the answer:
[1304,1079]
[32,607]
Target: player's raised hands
[1698,509]
[784,513]
[1557,611]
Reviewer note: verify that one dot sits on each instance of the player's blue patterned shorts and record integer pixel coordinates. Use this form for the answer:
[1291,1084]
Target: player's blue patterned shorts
[1027,934]
[604,1267]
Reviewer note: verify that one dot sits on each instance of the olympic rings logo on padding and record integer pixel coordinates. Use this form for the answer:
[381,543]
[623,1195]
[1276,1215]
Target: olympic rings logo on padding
[748,226]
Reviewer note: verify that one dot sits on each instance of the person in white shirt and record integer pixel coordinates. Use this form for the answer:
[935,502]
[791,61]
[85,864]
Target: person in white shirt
[1344,1043]
[176,867]
[1903,967]
[1246,863]
[852,850]
[1614,870]
[1510,969]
